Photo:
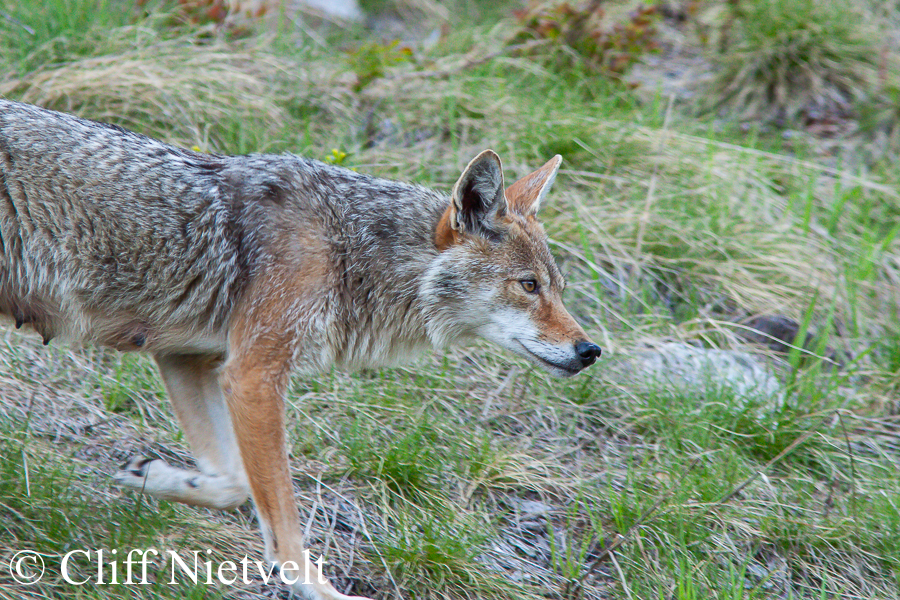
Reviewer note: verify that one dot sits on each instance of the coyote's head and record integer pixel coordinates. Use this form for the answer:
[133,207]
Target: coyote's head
[494,275]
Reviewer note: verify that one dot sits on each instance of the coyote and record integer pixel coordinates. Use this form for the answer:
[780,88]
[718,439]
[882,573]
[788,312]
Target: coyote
[234,271]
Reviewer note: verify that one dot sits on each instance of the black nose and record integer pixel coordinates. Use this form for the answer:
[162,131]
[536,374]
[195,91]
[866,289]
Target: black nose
[587,352]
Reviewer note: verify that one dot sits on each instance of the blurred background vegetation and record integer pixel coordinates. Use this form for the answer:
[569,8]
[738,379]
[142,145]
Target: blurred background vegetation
[726,215]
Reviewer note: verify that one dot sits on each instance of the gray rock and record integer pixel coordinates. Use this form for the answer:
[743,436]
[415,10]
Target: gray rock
[684,368]
[346,10]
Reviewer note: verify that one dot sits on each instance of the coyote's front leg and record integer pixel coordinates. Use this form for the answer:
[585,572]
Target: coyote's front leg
[253,383]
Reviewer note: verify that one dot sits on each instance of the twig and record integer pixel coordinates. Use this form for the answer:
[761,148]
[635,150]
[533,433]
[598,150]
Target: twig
[806,435]
[25,468]
[624,537]
[15,21]
[852,463]
[770,337]
[612,557]
[362,522]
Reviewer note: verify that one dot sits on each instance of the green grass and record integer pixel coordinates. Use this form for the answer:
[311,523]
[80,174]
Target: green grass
[48,506]
[48,32]
[471,474]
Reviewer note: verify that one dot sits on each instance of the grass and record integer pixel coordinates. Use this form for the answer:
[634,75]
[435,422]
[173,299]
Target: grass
[471,474]
[54,31]
[793,58]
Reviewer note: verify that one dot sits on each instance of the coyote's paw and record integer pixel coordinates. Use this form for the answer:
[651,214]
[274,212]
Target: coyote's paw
[156,478]
[314,586]
[323,592]
[134,473]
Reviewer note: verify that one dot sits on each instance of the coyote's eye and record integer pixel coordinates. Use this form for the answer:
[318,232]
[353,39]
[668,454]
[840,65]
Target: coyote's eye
[529,285]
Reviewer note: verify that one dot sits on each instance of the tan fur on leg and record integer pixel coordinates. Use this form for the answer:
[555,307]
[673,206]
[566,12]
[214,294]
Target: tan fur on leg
[253,381]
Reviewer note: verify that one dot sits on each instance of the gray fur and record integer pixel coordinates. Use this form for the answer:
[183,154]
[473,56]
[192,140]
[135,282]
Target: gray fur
[112,237]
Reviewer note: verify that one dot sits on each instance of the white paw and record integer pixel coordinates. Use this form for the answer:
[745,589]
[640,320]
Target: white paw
[156,478]
[135,473]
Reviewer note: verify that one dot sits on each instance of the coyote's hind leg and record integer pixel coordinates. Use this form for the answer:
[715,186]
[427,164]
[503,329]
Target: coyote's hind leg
[193,385]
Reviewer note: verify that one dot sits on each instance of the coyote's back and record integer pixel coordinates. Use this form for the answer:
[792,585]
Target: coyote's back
[112,236]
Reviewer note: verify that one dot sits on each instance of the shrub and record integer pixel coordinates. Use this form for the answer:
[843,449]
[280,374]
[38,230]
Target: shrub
[785,59]
[588,34]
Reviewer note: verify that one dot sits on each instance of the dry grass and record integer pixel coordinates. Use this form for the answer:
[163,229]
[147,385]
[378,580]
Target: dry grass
[168,89]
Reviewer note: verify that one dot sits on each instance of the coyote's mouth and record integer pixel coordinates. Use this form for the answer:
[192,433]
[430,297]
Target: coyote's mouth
[565,368]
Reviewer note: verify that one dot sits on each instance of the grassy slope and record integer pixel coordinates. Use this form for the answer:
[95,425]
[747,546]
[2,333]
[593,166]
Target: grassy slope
[502,482]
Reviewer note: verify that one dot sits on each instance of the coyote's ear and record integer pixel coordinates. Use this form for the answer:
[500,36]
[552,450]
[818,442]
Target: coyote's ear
[525,195]
[477,200]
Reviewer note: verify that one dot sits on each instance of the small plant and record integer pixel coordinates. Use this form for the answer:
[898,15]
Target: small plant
[585,32]
[336,157]
[371,60]
[36,33]
[201,12]
[421,548]
[222,14]
[879,121]
[570,549]
[130,372]
[408,463]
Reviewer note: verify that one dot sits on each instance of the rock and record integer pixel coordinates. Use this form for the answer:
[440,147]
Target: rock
[531,509]
[780,333]
[684,368]
[344,10]
[775,331]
